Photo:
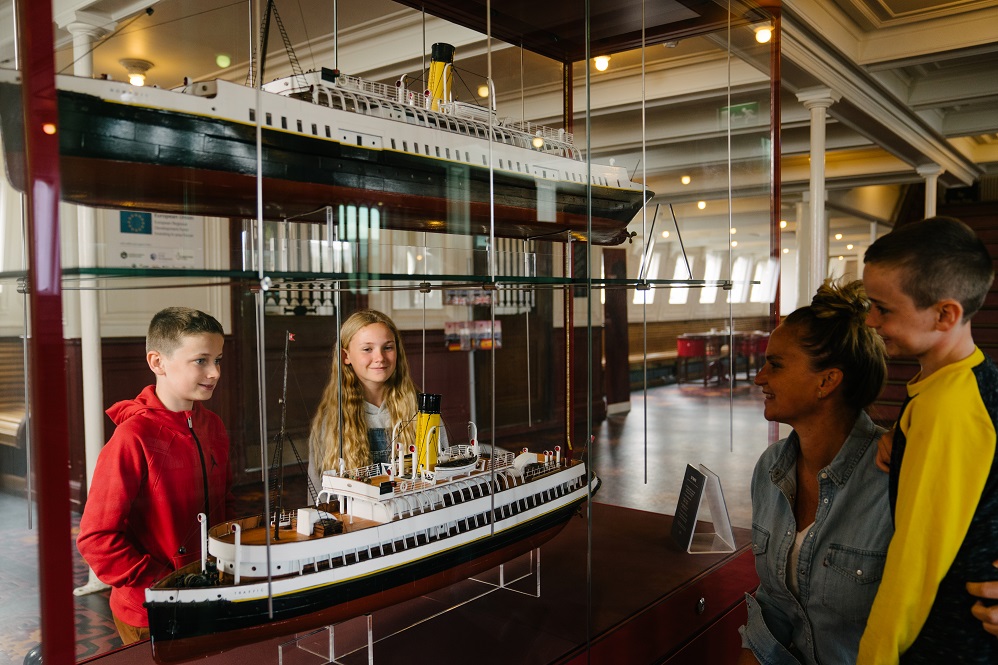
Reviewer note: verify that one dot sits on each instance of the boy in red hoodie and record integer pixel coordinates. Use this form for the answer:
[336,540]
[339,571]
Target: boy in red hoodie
[167,461]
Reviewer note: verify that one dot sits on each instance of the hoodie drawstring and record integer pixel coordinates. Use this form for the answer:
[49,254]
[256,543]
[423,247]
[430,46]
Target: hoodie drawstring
[204,470]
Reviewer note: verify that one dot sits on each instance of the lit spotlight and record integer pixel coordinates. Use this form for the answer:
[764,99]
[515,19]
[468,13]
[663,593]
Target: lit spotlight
[786,250]
[734,243]
[665,234]
[849,246]
[783,223]
[732,230]
[701,204]
[838,236]
[685,180]
[763,33]
[601,62]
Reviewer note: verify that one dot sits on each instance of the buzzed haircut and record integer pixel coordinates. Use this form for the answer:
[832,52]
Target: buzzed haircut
[169,327]
[940,258]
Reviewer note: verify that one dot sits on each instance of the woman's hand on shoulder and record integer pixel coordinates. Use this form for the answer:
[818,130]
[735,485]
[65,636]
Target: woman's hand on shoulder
[884,445]
[987,614]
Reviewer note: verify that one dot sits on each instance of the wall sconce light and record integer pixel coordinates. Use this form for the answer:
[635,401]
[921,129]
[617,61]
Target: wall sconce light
[601,62]
[136,70]
[763,32]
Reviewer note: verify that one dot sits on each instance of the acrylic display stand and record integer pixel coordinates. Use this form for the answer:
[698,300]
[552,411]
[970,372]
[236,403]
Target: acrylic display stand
[352,642]
[699,484]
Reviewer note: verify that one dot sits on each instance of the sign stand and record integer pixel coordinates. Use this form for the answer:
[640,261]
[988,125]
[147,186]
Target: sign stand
[696,484]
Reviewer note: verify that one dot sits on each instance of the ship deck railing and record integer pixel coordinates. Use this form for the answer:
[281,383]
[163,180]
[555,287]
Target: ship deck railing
[453,528]
[395,102]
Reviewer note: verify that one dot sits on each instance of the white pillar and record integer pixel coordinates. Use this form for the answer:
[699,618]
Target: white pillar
[85,32]
[931,173]
[803,275]
[817,100]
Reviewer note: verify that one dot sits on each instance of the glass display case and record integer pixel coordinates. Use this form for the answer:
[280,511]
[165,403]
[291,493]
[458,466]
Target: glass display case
[554,238]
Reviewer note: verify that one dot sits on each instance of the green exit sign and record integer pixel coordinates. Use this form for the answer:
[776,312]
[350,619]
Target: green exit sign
[739,115]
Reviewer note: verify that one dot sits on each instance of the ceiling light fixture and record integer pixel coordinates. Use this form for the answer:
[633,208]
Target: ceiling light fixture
[786,250]
[483,91]
[838,236]
[701,204]
[665,234]
[849,246]
[537,141]
[783,223]
[136,69]
[223,60]
[685,180]
[763,32]
[601,62]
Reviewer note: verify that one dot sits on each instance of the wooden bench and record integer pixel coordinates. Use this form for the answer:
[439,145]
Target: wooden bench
[12,405]
[661,345]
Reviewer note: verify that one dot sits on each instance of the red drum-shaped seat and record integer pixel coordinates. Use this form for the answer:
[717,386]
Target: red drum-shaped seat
[690,348]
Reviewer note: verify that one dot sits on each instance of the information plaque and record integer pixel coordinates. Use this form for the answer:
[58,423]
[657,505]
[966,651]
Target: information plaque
[698,483]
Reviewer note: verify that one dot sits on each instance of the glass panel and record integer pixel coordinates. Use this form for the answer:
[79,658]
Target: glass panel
[474,216]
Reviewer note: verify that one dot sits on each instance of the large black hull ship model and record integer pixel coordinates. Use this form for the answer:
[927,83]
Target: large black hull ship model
[327,140]
[375,539]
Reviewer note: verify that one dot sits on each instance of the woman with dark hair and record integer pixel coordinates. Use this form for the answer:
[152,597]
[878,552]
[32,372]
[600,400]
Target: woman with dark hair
[820,515]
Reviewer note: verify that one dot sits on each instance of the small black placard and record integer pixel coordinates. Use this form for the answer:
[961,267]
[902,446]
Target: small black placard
[685,521]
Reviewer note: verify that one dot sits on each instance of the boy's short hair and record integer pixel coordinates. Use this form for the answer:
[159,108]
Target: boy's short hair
[169,326]
[940,258]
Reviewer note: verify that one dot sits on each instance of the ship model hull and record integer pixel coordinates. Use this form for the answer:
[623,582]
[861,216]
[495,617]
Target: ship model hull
[412,541]
[138,148]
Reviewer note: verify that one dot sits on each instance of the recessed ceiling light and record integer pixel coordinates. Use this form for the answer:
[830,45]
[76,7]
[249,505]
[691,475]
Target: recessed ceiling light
[701,204]
[685,180]
[838,236]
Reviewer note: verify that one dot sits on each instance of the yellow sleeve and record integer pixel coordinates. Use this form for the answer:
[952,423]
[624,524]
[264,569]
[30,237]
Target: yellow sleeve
[948,433]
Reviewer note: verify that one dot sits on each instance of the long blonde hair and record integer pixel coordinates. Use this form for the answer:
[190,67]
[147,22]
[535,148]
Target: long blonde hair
[400,400]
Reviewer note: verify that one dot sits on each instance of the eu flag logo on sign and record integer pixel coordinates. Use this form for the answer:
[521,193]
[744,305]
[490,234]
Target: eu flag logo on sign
[136,222]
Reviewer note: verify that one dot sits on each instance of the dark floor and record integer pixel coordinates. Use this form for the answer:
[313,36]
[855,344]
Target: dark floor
[685,425]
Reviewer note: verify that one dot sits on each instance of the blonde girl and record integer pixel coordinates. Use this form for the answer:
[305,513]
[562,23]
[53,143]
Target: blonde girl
[378,392]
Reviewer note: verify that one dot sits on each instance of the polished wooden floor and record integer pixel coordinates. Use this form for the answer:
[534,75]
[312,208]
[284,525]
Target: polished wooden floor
[640,455]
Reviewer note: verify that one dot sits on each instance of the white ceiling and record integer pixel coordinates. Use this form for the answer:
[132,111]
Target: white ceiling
[918,79]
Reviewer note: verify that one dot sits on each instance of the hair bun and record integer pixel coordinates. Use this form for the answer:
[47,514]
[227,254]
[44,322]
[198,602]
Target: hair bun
[835,299]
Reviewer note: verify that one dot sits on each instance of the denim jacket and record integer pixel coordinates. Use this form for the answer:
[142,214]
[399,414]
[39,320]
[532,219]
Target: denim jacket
[841,559]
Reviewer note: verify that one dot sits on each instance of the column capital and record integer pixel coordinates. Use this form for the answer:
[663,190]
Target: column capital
[929,170]
[820,98]
[89,24]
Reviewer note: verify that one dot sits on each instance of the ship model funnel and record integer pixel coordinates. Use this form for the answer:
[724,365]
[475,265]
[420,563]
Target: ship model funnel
[428,430]
[438,86]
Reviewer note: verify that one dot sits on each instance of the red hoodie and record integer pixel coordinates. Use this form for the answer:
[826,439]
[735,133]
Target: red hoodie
[140,521]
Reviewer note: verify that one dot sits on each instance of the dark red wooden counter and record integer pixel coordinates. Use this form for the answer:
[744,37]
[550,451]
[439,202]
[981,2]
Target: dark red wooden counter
[650,602]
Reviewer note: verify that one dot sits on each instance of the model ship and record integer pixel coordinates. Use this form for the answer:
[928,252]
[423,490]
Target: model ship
[422,159]
[377,536]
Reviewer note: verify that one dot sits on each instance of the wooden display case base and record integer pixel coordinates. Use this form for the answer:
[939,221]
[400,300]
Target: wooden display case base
[650,603]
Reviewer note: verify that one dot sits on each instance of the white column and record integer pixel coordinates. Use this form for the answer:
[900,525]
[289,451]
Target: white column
[804,290]
[931,173]
[817,100]
[84,34]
